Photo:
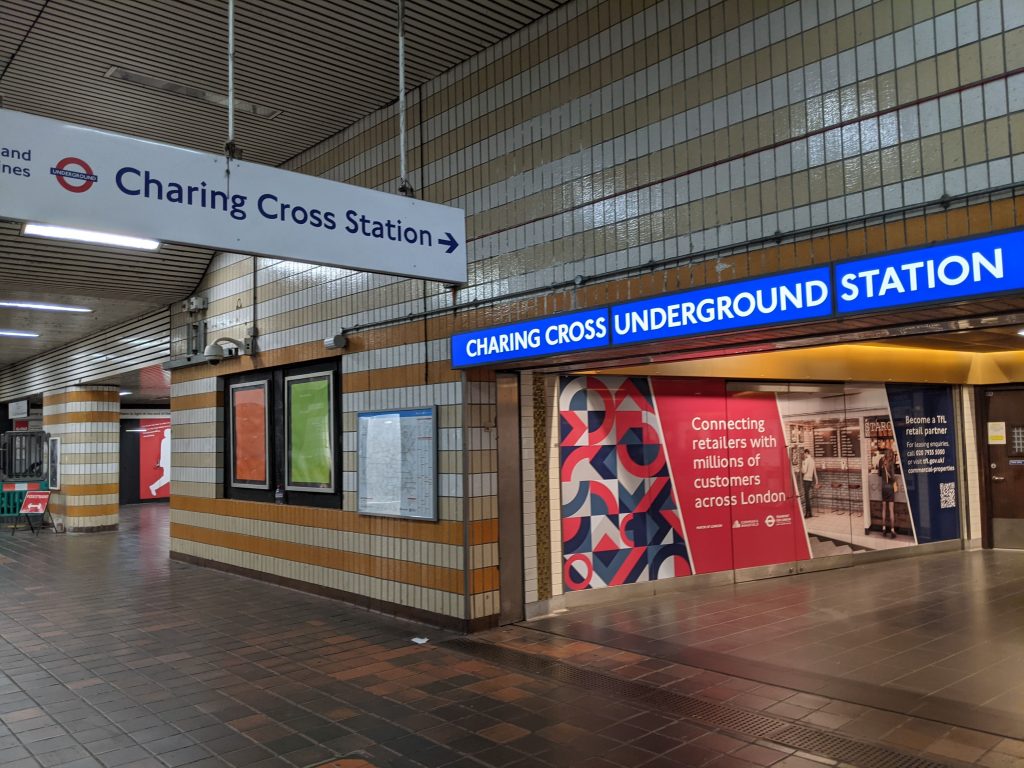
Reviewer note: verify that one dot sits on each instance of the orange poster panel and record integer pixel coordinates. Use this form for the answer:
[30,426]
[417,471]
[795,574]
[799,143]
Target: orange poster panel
[250,437]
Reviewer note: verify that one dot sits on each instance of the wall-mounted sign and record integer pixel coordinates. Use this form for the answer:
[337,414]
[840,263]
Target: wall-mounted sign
[17,409]
[939,273]
[143,413]
[779,298]
[942,273]
[997,433]
[397,471]
[75,176]
[548,336]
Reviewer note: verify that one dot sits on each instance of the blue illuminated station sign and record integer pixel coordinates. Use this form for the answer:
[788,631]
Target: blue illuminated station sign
[940,273]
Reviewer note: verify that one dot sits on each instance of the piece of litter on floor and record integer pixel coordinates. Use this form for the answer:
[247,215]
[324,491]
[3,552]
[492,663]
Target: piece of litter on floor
[420,640]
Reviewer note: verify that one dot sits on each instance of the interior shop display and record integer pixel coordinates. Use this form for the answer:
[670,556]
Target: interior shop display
[664,477]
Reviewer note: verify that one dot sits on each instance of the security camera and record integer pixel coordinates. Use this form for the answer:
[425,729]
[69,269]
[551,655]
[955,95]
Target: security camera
[214,353]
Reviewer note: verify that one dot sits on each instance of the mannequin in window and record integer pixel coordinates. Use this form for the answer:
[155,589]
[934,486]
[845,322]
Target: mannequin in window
[809,478]
[890,484]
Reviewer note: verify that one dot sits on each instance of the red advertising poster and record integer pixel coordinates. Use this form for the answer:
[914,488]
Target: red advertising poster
[249,420]
[733,477]
[696,455]
[155,459]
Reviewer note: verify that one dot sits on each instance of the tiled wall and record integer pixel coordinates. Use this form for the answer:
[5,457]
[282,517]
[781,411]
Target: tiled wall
[610,135]
[87,421]
[972,470]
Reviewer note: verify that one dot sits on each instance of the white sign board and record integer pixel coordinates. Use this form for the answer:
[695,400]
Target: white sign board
[396,464]
[69,175]
[18,409]
[997,433]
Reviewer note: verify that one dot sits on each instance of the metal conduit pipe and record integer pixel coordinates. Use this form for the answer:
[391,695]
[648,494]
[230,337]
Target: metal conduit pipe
[893,214]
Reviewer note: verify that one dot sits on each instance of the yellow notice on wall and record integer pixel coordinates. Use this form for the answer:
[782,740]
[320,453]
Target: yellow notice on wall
[997,433]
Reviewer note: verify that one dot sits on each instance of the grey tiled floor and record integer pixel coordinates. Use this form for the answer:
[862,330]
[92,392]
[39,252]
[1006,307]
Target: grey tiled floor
[113,656]
[940,637]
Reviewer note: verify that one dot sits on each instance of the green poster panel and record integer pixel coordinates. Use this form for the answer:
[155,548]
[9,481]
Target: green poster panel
[309,413]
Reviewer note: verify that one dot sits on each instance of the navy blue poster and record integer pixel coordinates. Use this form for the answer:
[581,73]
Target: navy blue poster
[926,436]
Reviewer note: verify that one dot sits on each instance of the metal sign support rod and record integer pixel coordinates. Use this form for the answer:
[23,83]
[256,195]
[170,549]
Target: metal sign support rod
[229,148]
[404,187]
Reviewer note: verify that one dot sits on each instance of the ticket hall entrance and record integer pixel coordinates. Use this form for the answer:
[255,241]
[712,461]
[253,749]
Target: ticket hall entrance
[691,469]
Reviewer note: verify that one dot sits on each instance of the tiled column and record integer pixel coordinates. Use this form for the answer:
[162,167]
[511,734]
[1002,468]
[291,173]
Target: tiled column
[86,419]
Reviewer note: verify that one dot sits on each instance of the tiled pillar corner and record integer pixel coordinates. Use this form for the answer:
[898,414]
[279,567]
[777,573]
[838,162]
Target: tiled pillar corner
[972,472]
[87,421]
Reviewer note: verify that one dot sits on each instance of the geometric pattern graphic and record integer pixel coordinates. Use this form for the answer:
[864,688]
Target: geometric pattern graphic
[621,523]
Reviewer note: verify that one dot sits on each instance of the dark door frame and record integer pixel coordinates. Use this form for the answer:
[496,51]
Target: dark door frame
[511,569]
[981,430]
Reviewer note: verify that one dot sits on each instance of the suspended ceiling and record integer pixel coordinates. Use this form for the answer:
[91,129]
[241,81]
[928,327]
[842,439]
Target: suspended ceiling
[319,65]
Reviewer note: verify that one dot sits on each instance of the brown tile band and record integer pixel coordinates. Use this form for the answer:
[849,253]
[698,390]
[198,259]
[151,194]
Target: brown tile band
[83,396]
[85,510]
[442,532]
[201,400]
[89,490]
[83,417]
[401,571]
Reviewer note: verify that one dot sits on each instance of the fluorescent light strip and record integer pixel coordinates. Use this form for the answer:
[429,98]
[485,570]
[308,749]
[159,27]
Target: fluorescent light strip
[20,334]
[189,92]
[43,307]
[122,394]
[88,236]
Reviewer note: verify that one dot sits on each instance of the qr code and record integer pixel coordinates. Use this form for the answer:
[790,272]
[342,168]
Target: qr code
[947,495]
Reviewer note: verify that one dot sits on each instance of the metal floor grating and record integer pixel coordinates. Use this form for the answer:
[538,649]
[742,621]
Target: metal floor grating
[751,724]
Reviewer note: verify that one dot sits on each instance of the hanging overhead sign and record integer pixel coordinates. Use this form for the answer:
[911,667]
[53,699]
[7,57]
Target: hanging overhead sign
[69,175]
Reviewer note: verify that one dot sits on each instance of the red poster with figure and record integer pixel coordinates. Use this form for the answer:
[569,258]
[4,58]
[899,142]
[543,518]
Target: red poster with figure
[154,459]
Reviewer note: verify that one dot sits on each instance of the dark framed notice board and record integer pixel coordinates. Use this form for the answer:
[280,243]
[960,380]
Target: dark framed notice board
[397,463]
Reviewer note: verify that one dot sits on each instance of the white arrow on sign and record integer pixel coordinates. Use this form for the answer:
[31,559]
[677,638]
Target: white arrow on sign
[56,173]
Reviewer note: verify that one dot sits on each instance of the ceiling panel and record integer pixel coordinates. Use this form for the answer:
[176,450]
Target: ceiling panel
[116,283]
[324,64]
